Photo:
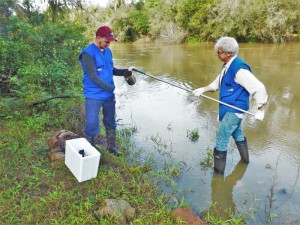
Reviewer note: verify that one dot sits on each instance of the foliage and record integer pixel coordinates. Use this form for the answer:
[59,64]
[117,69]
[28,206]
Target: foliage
[207,20]
[6,10]
[176,21]
[266,21]
[140,21]
[193,135]
[131,25]
[214,216]
[43,61]
[163,26]
[193,14]
[207,162]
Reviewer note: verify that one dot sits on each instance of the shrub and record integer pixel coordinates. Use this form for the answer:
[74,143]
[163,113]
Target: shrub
[42,62]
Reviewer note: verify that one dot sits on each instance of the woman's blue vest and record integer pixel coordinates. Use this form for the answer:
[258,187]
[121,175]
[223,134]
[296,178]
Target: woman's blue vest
[104,66]
[231,92]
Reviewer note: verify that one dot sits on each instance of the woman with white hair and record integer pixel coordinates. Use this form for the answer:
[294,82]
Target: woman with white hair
[236,84]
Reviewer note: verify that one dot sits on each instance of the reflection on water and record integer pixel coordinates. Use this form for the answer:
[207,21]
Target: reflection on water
[222,192]
[158,109]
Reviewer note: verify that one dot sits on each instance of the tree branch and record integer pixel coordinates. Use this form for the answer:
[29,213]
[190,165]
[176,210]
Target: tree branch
[48,99]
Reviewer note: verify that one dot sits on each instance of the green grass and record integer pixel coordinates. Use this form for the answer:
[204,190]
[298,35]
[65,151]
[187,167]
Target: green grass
[34,190]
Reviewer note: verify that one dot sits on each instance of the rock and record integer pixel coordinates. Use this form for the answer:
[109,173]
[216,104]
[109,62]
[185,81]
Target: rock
[118,209]
[268,166]
[59,140]
[56,154]
[186,214]
[56,150]
[57,145]
[282,191]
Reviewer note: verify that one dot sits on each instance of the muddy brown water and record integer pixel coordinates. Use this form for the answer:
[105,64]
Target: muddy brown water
[161,110]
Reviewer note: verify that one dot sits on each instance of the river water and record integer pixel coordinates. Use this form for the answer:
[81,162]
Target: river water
[269,184]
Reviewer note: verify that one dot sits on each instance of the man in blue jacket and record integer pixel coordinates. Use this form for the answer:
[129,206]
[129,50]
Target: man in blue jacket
[236,84]
[98,84]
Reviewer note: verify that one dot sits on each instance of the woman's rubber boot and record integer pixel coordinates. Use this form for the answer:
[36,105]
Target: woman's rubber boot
[219,161]
[243,149]
[91,139]
[111,142]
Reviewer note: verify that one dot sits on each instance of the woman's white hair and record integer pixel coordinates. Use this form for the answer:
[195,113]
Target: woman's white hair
[227,44]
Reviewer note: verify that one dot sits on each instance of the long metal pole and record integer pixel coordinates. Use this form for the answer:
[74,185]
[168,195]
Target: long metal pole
[188,90]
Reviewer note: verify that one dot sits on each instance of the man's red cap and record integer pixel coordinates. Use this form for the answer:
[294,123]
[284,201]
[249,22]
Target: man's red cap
[105,32]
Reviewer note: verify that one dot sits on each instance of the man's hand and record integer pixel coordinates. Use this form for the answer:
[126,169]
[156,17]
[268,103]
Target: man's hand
[260,114]
[198,92]
[131,69]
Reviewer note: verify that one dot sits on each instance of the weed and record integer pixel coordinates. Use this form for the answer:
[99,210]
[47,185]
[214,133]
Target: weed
[208,160]
[193,135]
[217,215]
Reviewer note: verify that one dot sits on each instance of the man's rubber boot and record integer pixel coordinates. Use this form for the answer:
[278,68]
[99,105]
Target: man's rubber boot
[91,139]
[219,161]
[111,142]
[243,149]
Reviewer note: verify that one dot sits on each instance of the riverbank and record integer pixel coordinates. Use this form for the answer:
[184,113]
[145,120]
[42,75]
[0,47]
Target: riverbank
[36,190]
[292,38]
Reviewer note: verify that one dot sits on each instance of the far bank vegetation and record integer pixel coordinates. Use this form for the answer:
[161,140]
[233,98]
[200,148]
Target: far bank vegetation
[192,21]
[178,21]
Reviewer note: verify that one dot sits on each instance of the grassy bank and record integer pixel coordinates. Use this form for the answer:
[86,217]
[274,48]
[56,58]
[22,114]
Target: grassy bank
[35,190]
